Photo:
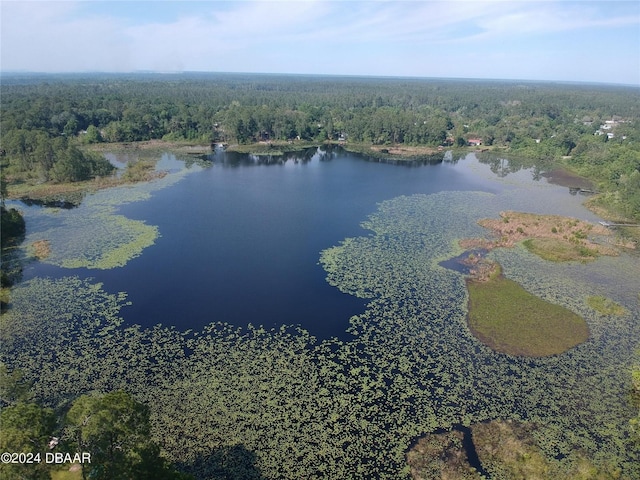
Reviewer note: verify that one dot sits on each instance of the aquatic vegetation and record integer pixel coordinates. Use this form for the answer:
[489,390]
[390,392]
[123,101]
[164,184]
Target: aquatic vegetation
[410,239]
[67,335]
[501,449]
[605,306]
[511,320]
[279,404]
[93,235]
[96,239]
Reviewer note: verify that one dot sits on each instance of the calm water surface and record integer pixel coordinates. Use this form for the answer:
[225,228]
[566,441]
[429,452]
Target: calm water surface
[240,240]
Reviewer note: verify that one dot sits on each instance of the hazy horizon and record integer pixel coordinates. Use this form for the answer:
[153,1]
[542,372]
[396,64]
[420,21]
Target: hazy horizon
[293,74]
[556,41]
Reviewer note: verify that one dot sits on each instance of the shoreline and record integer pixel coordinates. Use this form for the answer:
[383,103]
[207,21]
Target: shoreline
[24,190]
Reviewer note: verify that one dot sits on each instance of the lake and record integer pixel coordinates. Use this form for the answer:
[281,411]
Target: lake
[239,240]
[356,252]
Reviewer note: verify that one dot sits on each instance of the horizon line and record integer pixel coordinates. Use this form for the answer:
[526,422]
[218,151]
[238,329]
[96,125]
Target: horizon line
[297,74]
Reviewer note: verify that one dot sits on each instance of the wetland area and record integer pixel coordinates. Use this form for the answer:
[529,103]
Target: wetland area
[300,316]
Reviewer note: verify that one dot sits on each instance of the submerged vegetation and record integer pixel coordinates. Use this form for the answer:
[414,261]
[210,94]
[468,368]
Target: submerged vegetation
[93,235]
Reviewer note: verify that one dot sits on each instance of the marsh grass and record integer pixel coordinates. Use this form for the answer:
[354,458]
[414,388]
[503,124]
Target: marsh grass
[552,237]
[41,249]
[441,455]
[71,192]
[556,250]
[605,306]
[93,235]
[507,318]
[508,450]
[141,171]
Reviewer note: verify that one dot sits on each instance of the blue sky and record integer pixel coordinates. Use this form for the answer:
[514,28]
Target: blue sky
[590,41]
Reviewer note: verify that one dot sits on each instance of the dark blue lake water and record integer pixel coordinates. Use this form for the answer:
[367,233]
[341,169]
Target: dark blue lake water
[240,239]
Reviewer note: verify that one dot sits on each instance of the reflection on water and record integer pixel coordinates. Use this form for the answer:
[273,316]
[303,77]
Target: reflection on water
[65,203]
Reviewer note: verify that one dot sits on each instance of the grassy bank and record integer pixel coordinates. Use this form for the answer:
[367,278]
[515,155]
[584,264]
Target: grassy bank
[556,250]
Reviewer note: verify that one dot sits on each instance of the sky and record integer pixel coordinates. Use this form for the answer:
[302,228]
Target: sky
[575,41]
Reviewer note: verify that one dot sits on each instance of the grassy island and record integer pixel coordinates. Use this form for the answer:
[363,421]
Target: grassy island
[510,320]
[551,237]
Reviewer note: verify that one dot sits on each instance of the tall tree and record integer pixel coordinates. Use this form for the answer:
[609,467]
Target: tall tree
[115,428]
[25,428]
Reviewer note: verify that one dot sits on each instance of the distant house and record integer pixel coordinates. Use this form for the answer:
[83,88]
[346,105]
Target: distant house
[474,142]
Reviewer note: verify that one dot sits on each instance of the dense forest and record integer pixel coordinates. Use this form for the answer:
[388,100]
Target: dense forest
[46,118]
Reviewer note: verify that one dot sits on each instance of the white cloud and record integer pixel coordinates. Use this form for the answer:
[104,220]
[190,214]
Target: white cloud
[540,18]
[46,36]
[403,37]
[216,38]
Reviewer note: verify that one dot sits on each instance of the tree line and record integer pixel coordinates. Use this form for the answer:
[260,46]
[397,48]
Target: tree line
[45,119]
[251,107]
[52,158]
